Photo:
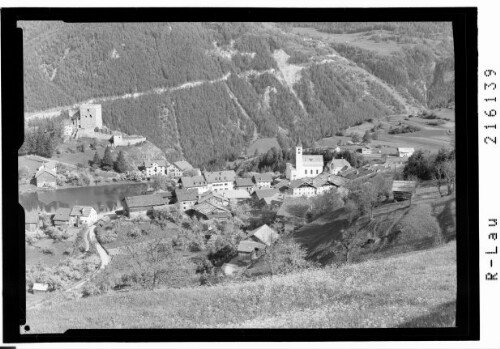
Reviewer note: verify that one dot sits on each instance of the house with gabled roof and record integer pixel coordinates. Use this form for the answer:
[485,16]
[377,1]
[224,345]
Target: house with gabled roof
[337,165]
[220,180]
[403,190]
[62,217]
[264,234]
[46,178]
[263,180]
[250,250]
[183,166]
[236,196]
[83,215]
[140,205]
[155,167]
[325,182]
[207,210]
[186,198]
[260,194]
[301,187]
[245,184]
[197,183]
[214,198]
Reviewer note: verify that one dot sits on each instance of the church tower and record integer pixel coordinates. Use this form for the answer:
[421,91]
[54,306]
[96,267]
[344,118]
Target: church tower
[298,160]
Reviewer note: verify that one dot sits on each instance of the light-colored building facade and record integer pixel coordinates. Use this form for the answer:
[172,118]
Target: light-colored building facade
[306,166]
[89,116]
[155,167]
[220,180]
[197,183]
[405,152]
[83,215]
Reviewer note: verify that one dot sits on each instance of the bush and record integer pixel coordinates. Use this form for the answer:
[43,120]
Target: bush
[404,129]
[105,236]
[436,123]
[48,250]
[134,233]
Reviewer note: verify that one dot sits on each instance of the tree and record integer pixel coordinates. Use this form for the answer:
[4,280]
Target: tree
[96,161]
[355,138]
[160,182]
[107,160]
[420,165]
[93,144]
[285,256]
[445,172]
[366,195]
[121,165]
[367,138]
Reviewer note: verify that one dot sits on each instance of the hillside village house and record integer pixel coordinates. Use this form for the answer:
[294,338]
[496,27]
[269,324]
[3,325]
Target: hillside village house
[220,180]
[403,190]
[196,183]
[89,116]
[173,170]
[405,152]
[186,198]
[260,194]
[264,234]
[183,166]
[301,187]
[326,182]
[263,180]
[31,221]
[207,210]
[140,205]
[155,167]
[245,184]
[336,165]
[236,196]
[214,198]
[39,288]
[250,250]
[63,218]
[366,150]
[306,166]
[83,215]
[46,178]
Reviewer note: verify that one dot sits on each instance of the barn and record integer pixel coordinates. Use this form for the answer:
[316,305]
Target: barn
[403,190]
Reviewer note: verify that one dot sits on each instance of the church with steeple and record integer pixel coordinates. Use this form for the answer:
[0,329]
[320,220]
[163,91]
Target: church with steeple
[306,166]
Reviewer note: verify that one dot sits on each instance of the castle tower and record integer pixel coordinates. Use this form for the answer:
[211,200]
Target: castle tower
[298,159]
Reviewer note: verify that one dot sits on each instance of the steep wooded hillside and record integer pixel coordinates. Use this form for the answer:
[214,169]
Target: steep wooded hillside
[203,91]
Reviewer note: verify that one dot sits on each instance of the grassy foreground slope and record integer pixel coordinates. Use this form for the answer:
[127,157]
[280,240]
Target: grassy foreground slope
[409,290]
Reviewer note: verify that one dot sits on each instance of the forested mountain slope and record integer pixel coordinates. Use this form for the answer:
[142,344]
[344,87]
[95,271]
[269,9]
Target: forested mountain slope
[204,90]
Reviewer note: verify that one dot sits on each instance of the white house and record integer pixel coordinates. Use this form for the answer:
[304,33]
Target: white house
[263,180]
[306,166]
[301,187]
[173,170]
[337,165]
[83,215]
[197,183]
[220,180]
[183,166]
[155,167]
[405,152]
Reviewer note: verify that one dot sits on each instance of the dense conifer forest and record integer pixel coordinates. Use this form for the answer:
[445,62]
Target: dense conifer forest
[204,91]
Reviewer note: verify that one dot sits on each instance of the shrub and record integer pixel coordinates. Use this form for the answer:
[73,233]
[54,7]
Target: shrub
[134,233]
[436,123]
[48,250]
[105,236]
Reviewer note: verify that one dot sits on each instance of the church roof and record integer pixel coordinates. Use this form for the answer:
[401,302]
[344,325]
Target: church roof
[312,160]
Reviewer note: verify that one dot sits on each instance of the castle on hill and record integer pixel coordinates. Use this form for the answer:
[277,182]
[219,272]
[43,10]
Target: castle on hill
[306,166]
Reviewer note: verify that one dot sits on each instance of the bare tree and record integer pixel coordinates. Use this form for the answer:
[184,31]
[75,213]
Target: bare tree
[445,172]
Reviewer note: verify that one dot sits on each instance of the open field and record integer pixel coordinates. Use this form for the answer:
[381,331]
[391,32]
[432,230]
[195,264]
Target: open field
[414,289]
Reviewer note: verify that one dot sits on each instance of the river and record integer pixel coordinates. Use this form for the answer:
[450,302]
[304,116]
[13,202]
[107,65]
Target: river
[103,198]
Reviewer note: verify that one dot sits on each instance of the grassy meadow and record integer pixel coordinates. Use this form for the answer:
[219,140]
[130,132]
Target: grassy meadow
[409,290]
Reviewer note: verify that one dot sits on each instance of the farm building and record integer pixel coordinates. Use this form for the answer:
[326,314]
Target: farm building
[50,165]
[213,198]
[325,182]
[263,193]
[366,150]
[236,196]
[173,170]
[167,196]
[250,250]
[245,184]
[274,201]
[196,183]
[39,288]
[62,217]
[405,152]
[264,234]
[31,221]
[220,180]
[207,210]
[263,180]
[282,184]
[403,190]
[134,206]
[186,198]
[183,166]
[336,165]
[83,215]
[301,187]
[46,178]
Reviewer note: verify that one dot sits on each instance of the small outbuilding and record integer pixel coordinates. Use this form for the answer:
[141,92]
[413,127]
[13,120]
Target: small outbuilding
[403,190]
[39,288]
[250,250]
[63,218]
[134,206]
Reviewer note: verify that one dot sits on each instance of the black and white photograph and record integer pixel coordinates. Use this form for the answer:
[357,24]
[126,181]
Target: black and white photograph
[196,170]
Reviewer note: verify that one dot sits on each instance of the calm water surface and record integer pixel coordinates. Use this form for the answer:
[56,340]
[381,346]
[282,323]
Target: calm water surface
[103,198]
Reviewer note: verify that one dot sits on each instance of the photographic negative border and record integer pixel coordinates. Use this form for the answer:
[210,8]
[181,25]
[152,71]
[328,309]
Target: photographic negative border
[465,42]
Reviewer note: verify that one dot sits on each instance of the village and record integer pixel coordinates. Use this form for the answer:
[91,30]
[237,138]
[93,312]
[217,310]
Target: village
[213,197]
